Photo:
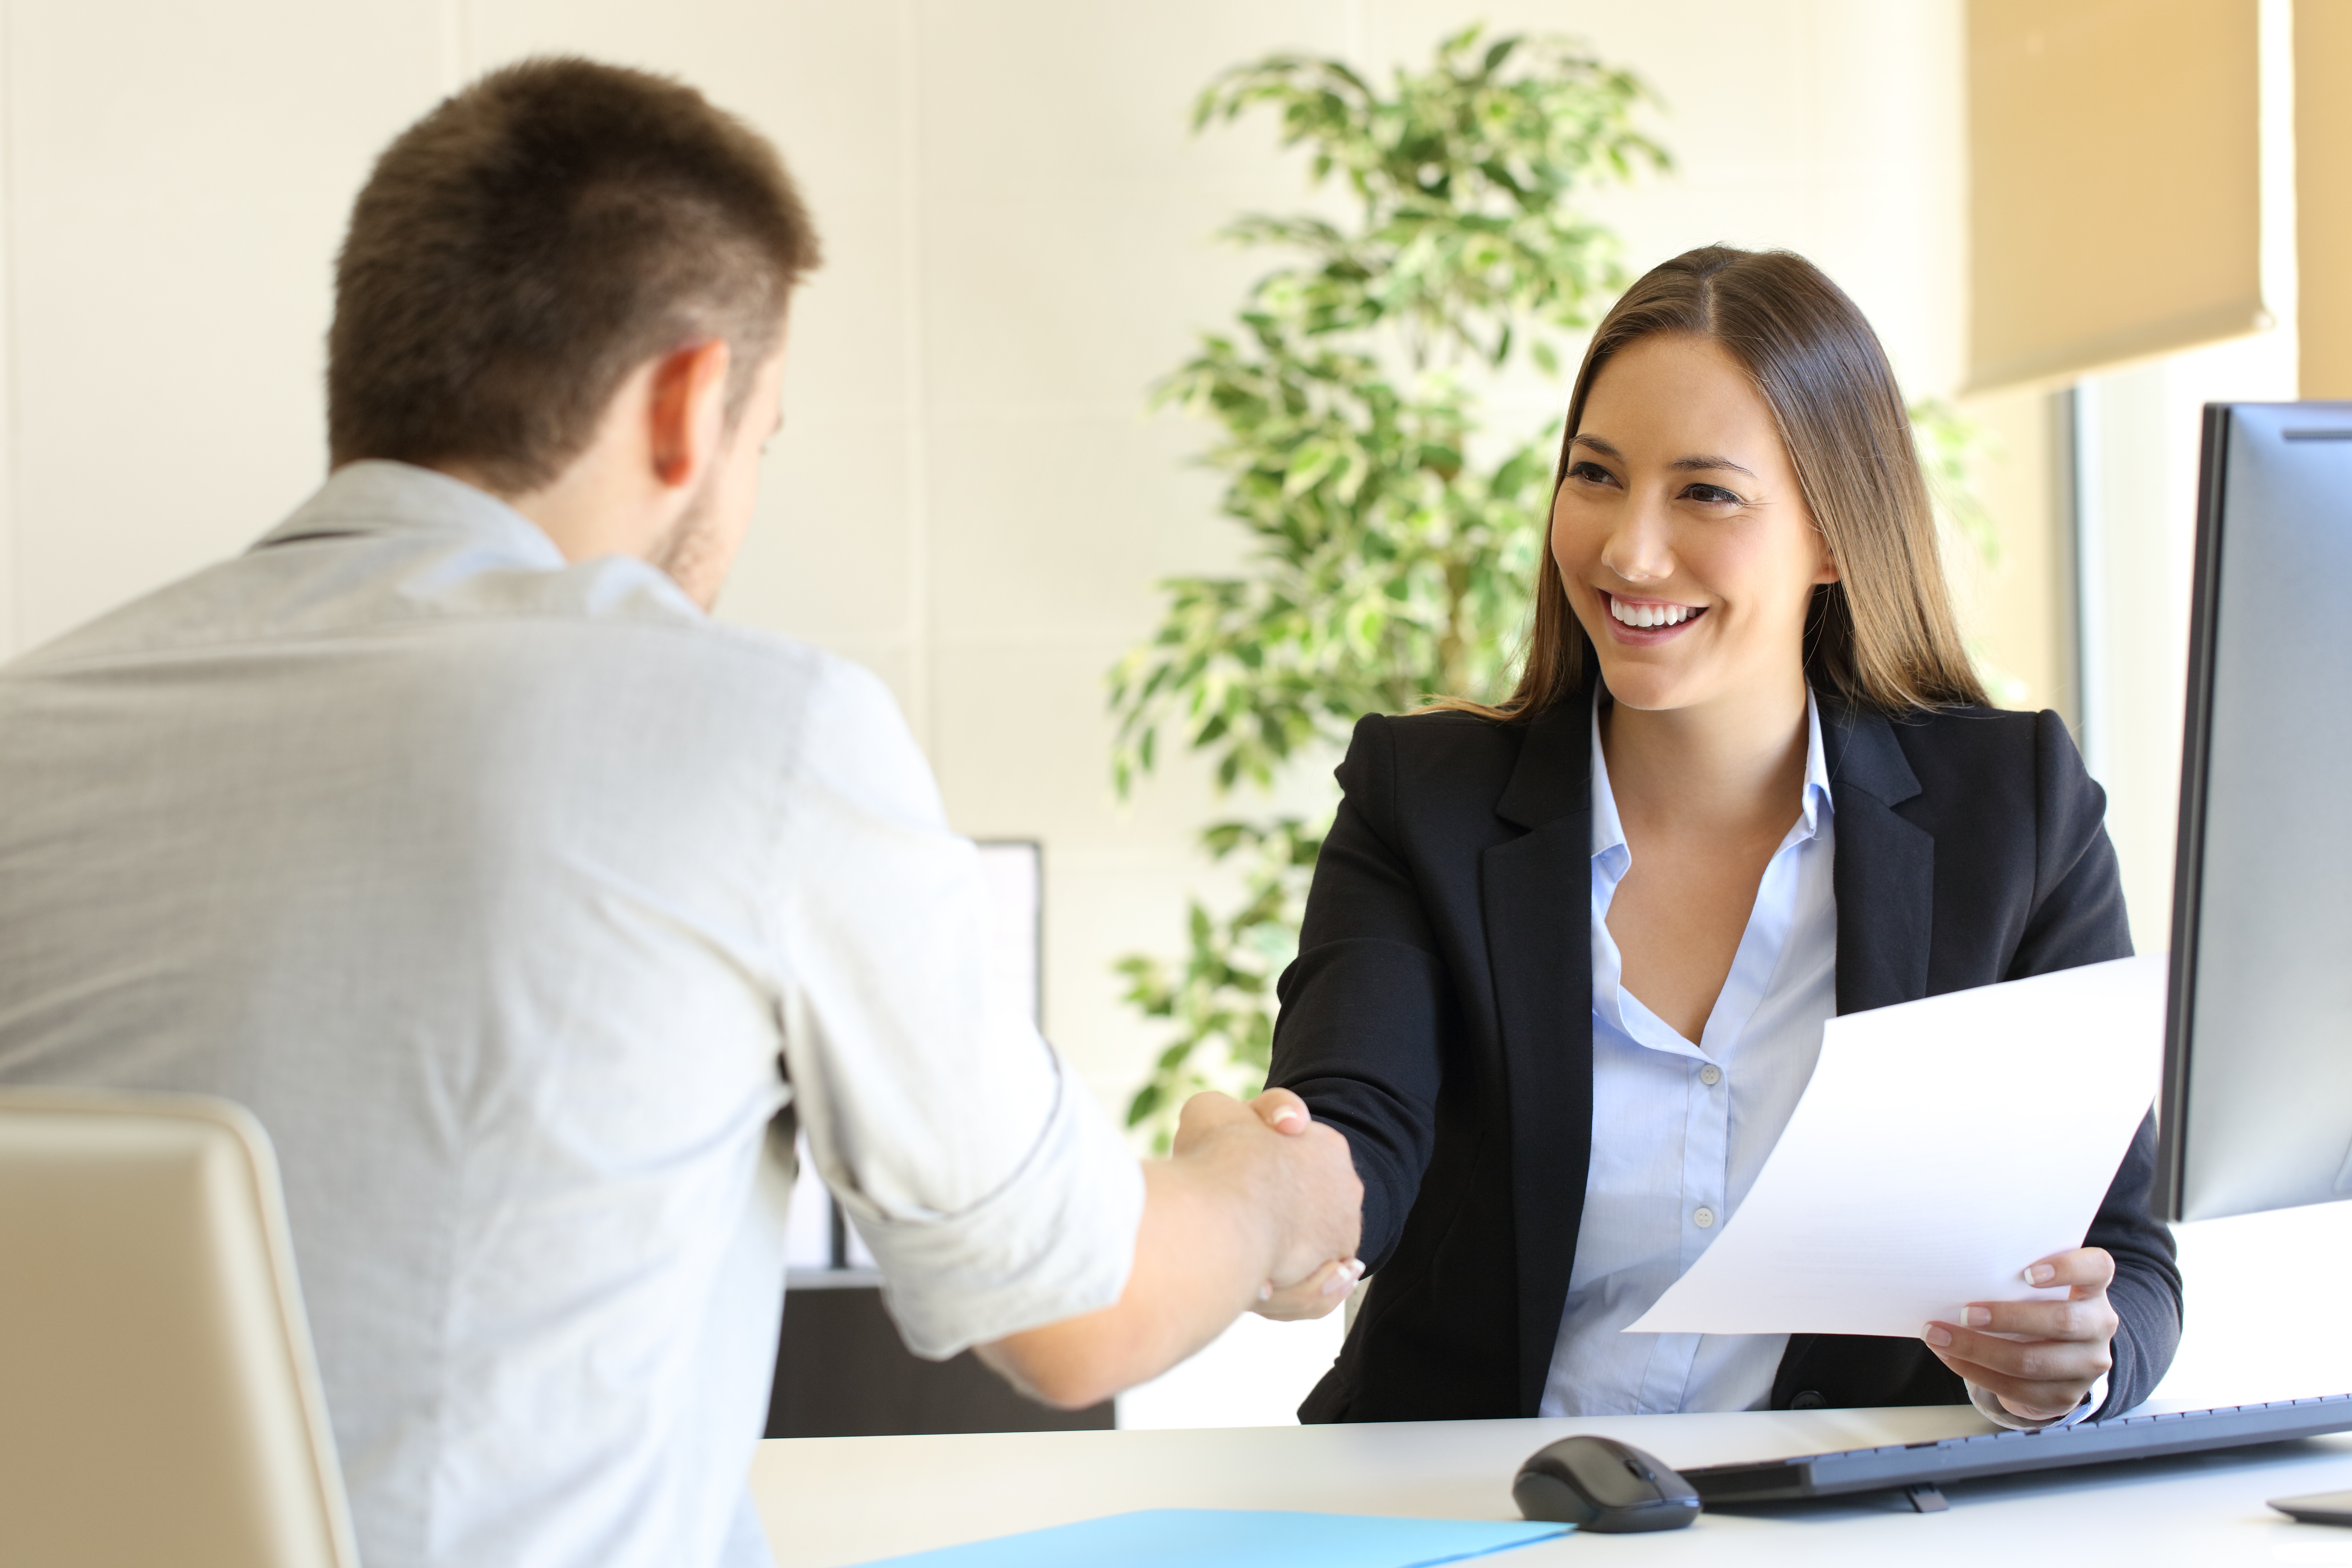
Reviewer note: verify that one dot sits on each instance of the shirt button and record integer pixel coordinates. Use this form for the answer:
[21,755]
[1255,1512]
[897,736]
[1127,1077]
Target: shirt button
[1704,1218]
[1710,1075]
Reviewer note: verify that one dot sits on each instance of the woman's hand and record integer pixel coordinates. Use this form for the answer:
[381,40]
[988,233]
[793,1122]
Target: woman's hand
[1327,1286]
[1312,1297]
[2038,1358]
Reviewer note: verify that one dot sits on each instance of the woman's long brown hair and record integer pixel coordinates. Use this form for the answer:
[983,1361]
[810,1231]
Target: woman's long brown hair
[1883,635]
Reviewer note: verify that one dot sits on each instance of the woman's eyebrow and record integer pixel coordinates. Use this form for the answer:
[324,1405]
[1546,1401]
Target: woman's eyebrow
[1698,464]
[1680,465]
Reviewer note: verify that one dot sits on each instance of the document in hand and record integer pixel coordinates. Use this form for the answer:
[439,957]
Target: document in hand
[1941,1146]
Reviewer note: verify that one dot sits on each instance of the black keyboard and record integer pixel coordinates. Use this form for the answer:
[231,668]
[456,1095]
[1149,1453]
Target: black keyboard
[1932,1464]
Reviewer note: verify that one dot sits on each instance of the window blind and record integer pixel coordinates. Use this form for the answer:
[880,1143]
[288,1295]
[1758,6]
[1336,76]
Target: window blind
[2115,181]
[2323,205]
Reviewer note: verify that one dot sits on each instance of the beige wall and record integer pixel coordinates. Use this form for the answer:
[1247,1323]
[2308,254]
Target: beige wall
[2019,605]
[2323,175]
[968,497]
[2087,117]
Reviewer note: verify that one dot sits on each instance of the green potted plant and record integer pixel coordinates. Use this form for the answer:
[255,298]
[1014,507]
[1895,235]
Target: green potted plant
[1392,559]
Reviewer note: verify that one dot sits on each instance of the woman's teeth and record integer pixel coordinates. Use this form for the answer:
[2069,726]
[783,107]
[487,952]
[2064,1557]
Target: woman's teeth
[1650,615]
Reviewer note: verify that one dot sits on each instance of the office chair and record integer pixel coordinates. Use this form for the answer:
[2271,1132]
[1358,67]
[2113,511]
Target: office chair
[158,1399]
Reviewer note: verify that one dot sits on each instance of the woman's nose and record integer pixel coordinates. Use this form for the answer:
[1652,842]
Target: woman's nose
[1638,550]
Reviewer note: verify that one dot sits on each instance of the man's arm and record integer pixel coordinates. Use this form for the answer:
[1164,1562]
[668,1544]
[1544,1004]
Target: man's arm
[1255,1198]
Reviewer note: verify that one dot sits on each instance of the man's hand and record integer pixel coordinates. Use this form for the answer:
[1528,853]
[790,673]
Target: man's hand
[1329,1286]
[1250,1198]
[1306,1181]
[2038,1358]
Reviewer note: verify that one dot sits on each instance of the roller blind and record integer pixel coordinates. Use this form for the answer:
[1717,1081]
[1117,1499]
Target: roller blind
[2323,184]
[2115,181]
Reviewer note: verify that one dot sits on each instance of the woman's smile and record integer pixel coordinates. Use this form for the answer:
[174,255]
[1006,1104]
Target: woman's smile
[1645,623]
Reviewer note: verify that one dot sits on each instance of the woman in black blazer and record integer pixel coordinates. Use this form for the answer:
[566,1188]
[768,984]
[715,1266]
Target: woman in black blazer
[1739,521]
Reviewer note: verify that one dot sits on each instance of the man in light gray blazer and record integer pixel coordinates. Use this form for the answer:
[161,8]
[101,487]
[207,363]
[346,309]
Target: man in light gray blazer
[519,899]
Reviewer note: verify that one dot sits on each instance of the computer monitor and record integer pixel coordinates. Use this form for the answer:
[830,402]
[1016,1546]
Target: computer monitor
[2257,1101]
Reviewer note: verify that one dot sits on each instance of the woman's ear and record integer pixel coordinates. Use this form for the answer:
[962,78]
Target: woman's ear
[1828,571]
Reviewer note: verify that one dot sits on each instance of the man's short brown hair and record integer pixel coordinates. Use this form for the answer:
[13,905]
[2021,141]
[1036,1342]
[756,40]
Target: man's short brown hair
[520,250]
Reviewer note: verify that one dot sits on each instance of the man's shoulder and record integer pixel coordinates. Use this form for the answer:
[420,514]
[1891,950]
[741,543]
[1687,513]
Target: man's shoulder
[592,682]
[584,618]
[637,657]
[620,624]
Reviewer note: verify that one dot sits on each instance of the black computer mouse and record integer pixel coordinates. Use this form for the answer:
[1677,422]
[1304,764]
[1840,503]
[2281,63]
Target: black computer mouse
[1604,1486]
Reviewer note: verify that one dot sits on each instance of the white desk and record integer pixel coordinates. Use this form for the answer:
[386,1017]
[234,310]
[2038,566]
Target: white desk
[830,1501]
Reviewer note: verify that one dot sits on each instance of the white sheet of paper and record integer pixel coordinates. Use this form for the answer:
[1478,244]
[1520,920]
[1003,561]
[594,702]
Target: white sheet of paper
[1941,1146]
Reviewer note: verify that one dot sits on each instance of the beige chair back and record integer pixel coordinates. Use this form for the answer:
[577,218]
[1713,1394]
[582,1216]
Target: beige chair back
[159,1403]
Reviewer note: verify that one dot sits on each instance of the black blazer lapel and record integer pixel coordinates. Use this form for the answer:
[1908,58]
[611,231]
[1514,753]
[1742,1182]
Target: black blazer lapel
[1886,867]
[1536,896]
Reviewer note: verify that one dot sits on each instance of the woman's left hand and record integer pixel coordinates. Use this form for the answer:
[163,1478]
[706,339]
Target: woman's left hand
[2038,1358]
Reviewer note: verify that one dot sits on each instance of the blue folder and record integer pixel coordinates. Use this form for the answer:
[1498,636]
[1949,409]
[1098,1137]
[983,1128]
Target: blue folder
[1235,1538]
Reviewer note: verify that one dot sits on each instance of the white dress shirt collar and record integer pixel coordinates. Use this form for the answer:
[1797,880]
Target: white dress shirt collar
[1609,830]
[1759,948]
[377,495]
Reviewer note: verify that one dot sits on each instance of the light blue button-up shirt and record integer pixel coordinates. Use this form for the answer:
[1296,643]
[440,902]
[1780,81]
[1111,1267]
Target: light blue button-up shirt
[1680,1130]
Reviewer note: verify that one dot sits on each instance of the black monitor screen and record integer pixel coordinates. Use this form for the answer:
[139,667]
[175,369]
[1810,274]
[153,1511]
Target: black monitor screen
[2257,1111]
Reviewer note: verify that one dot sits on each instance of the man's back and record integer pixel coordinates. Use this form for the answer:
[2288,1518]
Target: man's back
[444,832]
[474,876]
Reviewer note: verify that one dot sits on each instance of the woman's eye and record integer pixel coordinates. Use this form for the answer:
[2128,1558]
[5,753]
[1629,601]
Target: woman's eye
[1712,495]
[1591,473]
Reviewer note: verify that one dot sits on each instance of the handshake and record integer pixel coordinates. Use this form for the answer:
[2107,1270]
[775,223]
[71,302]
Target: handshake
[1257,1209]
[1300,1185]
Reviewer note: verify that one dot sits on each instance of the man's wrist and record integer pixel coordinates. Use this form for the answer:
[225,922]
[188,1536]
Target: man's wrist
[1237,1172]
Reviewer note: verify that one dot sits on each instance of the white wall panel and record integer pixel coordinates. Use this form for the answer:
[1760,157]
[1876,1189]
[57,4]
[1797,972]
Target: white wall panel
[836,555]
[178,180]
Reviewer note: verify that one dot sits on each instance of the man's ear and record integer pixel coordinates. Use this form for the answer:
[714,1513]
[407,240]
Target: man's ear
[686,408]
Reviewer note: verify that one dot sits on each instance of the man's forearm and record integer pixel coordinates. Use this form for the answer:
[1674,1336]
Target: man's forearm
[1204,1248]
[1240,1206]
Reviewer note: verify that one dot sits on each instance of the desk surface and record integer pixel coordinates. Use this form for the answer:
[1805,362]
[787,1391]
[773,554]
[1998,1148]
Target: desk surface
[831,1501]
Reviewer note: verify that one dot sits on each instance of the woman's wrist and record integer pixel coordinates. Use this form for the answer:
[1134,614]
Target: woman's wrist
[1988,1405]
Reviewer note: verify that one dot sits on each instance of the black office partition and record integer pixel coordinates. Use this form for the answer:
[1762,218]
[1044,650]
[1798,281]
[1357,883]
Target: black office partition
[842,1372]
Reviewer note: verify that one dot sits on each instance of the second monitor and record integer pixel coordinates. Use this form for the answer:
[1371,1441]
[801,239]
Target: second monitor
[2257,1108]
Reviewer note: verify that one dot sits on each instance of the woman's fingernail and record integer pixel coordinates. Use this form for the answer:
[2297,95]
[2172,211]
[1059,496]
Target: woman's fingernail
[1936,1334]
[2040,1274]
[1975,1316]
[1265,1292]
[1341,1280]
[1288,1117]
